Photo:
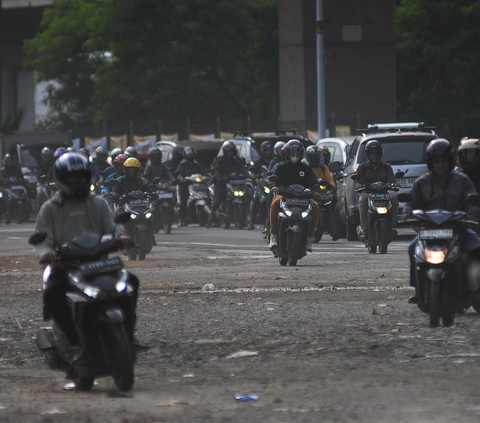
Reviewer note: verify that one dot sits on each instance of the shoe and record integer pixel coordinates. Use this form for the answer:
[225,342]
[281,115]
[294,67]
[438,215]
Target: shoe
[308,244]
[336,237]
[273,240]
[251,226]
[362,235]
[413,300]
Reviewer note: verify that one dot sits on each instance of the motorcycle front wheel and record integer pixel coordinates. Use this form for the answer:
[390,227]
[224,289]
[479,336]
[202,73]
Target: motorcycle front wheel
[434,304]
[118,353]
[294,248]
[383,236]
[320,226]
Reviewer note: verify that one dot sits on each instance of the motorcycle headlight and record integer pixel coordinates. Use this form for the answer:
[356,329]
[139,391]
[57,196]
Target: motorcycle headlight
[79,282]
[92,187]
[198,179]
[304,214]
[322,187]
[1,194]
[382,210]
[148,215]
[121,286]
[133,216]
[434,256]
[267,190]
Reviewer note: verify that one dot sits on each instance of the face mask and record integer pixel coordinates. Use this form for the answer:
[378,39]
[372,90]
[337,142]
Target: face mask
[294,159]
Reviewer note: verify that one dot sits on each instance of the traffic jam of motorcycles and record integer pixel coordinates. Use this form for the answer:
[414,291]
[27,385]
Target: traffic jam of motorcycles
[399,176]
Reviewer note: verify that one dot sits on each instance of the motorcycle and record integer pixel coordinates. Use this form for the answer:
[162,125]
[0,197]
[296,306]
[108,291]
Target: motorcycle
[440,265]
[234,209]
[102,303]
[197,197]
[380,231]
[261,193]
[325,205]
[164,207]
[294,219]
[140,206]
[17,204]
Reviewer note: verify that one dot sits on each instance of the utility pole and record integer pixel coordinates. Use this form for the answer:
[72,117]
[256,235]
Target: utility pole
[320,72]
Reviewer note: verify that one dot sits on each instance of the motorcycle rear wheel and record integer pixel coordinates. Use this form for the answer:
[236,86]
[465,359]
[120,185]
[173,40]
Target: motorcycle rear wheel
[118,352]
[282,261]
[320,227]
[383,237]
[168,220]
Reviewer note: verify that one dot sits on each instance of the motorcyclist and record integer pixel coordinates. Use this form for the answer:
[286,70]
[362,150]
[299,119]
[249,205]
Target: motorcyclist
[374,170]
[469,158]
[278,155]
[46,163]
[444,189]
[101,158]
[266,149]
[188,166]
[293,171]
[118,163]
[224,165]
[111,169]
[131,180]
[176,156]
[72,212]
[327,156]
[155,168]
[314,156]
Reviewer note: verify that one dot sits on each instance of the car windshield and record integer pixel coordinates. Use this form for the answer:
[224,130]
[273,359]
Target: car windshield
[400,151]
[335,153]
[28,159]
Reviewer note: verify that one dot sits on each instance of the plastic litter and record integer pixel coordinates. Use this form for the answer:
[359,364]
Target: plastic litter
[208,287]
[241,354]
[248,398]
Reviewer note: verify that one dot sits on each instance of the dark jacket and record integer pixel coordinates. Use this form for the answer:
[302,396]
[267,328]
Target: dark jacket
[276,160]
[8,172]
[186,168]
[429,194]
[257,165]
[369,174]
[158,171]
[224,166]
[43,168]
[129,185]
[300,173]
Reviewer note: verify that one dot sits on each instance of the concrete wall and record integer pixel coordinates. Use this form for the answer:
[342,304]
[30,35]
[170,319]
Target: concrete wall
[360,76]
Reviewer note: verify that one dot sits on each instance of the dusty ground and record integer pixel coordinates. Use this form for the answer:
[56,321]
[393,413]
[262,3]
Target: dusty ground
[336,342]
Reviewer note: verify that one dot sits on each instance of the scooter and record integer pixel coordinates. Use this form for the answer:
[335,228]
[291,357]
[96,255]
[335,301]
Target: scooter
[102,303]
[325,205]
[294,220]
[440,265]
[380,231]
[197,197]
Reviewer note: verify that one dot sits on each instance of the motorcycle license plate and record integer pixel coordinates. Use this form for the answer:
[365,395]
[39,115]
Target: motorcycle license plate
[166,195]
[379,196]
[326,197]
[298,202]
[436,234]
[139,203]
[101,266]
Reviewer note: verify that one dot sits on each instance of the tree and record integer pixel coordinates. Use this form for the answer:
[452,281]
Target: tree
[438,64]
[118,60]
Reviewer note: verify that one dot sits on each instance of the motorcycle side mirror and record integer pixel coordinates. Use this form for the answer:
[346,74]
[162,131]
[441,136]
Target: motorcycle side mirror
[406,197]
[37,238]
[356,178]
[264,167]
[473,199]
[335,166]
[399,175]
[122,217]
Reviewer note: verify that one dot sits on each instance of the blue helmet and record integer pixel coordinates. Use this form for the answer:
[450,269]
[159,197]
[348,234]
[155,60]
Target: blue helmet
[73,174]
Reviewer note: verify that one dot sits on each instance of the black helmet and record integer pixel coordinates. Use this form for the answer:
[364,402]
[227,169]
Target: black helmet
[131,152]
[293,151]
[72,174]
[229,146]
[314,155]
[9,160]
[155,156]
[115,152]
[266,148]
[85,152]
[47,155]
[440,148]
[177,153]
[278,147]
[374,151]
[189,154]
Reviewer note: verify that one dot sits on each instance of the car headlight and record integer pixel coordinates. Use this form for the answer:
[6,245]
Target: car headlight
[382,210]
[133,216]
[148,215]
[434,256]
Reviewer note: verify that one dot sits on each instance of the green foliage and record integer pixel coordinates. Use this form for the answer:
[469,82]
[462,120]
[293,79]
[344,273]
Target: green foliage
[171,60]
[438,64]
